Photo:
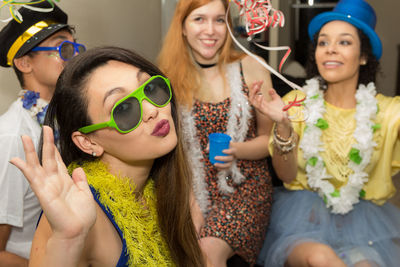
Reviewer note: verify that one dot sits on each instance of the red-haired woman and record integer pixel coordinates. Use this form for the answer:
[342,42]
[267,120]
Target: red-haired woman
[211,80]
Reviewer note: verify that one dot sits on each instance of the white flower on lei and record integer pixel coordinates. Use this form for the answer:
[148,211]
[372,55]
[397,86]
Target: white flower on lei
[40,105]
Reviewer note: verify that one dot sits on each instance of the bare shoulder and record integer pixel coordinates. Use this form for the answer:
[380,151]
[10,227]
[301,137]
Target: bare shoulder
[253,71]
[253,64]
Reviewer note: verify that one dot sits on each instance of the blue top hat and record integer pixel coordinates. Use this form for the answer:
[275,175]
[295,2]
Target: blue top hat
[356,12]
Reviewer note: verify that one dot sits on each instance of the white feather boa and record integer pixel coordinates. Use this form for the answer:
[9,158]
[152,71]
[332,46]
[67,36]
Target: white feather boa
[238,124]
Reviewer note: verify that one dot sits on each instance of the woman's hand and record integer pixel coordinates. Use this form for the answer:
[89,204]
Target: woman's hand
[273,107]
[228,159]
[67,202]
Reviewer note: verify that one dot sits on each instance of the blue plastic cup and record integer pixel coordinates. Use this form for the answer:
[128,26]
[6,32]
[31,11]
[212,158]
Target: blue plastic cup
[218,142]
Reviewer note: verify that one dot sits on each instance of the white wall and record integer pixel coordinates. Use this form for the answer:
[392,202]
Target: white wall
[168,9]
[134,24]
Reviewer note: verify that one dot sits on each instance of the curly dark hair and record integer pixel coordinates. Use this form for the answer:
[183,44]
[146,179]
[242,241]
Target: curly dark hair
[368,72]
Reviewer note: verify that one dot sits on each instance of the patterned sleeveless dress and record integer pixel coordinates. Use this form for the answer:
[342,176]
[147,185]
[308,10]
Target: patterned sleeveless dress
[240,218]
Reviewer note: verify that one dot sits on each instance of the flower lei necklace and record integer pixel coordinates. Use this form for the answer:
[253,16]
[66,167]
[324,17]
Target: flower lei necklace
[36,106]
[340,200]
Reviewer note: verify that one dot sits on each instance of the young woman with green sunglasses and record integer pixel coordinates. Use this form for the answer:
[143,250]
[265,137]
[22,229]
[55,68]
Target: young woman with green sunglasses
[128,202]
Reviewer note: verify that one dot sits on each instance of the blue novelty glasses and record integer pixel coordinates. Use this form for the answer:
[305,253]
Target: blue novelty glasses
[66,49]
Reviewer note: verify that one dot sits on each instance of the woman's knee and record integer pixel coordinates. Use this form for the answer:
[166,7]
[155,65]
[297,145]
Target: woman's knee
[313,254]
[216,248]
[322,256]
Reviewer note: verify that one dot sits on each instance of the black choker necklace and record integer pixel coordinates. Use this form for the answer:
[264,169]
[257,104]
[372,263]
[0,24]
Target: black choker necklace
[205,66]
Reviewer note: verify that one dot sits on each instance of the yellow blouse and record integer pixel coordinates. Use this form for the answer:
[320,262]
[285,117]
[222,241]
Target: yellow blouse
[338,139]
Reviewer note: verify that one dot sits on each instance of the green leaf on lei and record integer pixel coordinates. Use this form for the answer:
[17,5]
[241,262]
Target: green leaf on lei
[376,127]
[336,193]
[354,155]
[314,96]
[322,124]
[362,193]
[312,161]
[325,199]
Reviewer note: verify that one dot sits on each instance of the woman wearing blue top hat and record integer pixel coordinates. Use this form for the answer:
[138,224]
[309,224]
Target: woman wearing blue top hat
[339,149]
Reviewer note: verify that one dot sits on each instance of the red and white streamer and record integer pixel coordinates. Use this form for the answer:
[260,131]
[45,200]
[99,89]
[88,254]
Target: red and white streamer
[259,15]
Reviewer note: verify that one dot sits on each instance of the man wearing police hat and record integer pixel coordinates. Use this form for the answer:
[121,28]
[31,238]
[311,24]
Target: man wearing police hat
[37,49]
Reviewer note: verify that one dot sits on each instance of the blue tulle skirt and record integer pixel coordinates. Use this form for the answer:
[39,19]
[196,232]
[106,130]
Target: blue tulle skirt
[367,233]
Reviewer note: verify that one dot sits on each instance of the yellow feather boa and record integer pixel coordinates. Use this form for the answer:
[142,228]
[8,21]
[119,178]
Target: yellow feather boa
[137,219]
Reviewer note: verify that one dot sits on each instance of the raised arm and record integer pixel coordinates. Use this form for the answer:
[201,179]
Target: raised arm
[67,203]
[256,75]
[284,162]
[257,148]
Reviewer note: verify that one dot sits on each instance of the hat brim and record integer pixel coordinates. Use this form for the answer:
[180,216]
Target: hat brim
[38,38]
[323,18]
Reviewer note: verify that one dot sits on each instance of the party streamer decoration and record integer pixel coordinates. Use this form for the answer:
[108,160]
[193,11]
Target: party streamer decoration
[14,5]
[294,103]
[259,16]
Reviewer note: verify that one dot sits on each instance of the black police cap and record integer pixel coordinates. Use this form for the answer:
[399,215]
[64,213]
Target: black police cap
[16,36]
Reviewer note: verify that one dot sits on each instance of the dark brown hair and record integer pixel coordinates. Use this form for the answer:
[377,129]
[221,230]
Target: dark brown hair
[67,112]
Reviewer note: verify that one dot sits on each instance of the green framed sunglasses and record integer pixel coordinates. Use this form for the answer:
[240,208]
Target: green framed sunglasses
[127,113]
